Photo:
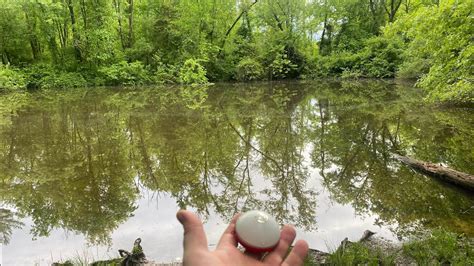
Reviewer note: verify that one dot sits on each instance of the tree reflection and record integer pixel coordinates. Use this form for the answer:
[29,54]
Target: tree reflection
[354,157]
[79,159]
[8,222]
[67,167]
[276,141]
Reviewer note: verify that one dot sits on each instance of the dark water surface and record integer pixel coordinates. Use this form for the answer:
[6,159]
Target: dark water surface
[84,172]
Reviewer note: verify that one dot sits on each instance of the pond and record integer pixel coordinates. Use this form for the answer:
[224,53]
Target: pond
[86,171]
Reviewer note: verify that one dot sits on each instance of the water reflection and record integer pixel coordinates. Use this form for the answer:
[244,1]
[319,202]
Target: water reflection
[79,159]
[8,222]
[353,154]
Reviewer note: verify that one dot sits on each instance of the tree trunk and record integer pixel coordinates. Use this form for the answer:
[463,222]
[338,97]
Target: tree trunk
[444,173]
[75,38]
[84,14]
[34,43]
[394,6]
[130,23]
[119,20]
[321,42]
[4,58]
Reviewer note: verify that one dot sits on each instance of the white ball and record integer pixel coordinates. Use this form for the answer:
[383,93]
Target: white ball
[257,231]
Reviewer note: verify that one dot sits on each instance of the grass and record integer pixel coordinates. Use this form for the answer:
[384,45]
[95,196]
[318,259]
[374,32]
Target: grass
[359,254]
[441,248]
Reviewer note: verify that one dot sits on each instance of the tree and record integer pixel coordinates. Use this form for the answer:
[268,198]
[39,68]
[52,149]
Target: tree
[431,52]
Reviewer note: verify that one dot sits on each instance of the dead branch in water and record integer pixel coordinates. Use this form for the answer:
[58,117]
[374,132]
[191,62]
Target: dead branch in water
[435,170]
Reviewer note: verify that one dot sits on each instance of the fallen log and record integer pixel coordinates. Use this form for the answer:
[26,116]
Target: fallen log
[435,170]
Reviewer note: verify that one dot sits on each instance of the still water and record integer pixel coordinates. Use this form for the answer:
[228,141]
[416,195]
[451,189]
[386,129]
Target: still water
[84,172]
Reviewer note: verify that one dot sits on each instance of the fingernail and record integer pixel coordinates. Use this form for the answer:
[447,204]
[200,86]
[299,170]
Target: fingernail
[181,216]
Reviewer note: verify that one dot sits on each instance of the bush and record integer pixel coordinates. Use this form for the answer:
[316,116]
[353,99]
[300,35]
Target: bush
[192,73]
[351,74]
[248,69]
[335,65]
[124,73]
[36,73]
[11,78]
[47,77]
[380,58]
[281,66]
[339,63]
[63,80]
[413,69]
[165,74]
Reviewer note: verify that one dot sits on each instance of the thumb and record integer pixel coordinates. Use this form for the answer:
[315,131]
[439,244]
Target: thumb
[194,236]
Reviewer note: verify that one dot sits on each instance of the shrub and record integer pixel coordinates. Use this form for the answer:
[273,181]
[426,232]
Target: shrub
[63,80]
[11,78]
[47,77]
[36,73]
[248,69]
[351,74]
[413,69]
[124,73]
[192,73]
[281,66]
[165,74]
[380,57]
[336,64]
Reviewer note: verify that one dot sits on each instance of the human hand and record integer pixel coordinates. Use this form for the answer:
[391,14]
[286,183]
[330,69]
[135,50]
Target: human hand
[226,253]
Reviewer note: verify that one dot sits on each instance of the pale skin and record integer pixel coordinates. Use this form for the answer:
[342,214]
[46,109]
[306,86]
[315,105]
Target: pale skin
[196,252]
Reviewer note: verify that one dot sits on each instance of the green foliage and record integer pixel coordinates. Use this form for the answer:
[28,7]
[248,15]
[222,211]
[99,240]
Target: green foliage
[165,74]
[8,222]
[336,64]
[118,43]
[439,49]
[379,58]
[46,77]
[125,73]
[413,68]
[111,262]
[11,79]
[281,66]
[66,263]
[63,80]
[137,250]
[351,74]
[441,248]
[192,72]
[248,69]
[359,254]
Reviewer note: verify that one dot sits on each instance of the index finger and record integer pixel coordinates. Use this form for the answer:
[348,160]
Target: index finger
[297,254]
[287,235]
[228,237]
